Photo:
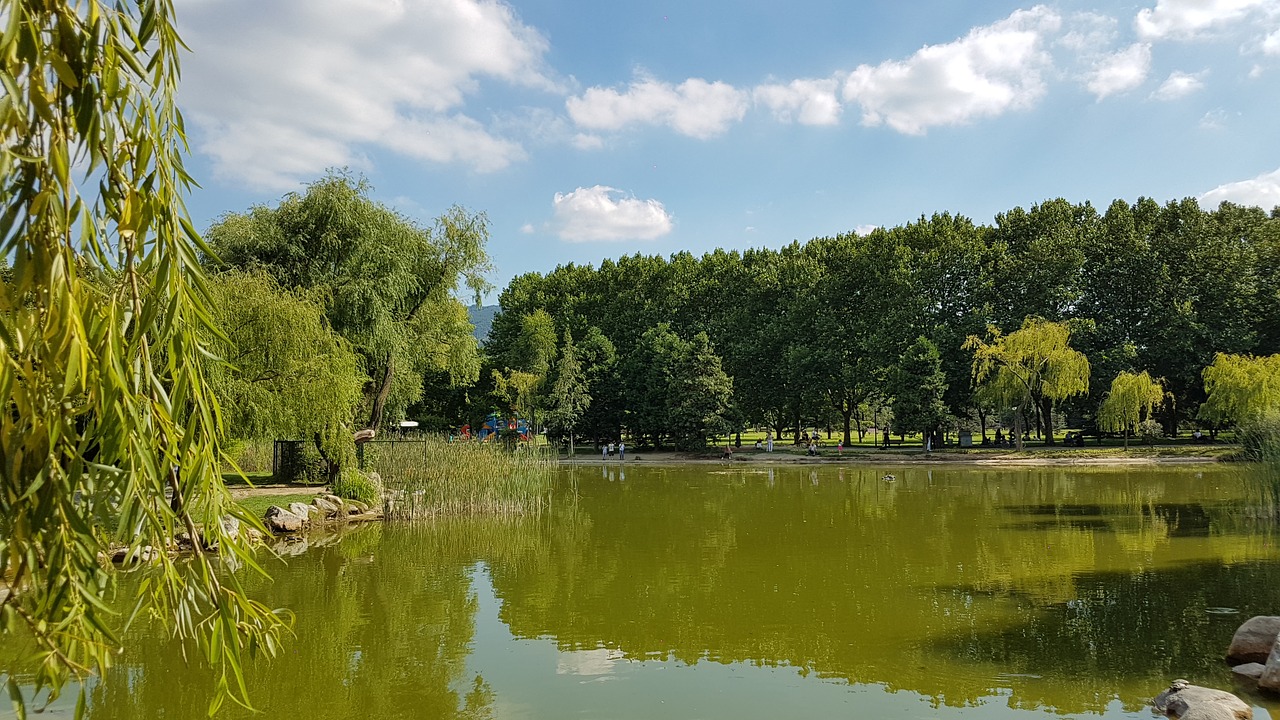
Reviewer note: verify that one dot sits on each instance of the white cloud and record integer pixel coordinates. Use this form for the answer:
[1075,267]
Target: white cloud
[1120,72]
[1263,191]
[526,229]
[586,141]
[604,213]
[1179,85]
[808,102]
[695,107]
[1186,19]
[1271,45]
[1214,120]
[990,71]
[865,230]
[1088,33]
[279,91]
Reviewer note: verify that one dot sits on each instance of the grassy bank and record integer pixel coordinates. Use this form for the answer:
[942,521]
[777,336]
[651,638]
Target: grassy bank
[429,476]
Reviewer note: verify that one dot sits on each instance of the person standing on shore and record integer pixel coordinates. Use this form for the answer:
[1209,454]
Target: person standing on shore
[622,451]
[604,451]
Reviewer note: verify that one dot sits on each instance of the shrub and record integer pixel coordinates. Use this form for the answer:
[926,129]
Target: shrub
[355,485]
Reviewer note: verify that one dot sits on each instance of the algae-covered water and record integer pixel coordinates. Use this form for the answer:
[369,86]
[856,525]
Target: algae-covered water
[798,591]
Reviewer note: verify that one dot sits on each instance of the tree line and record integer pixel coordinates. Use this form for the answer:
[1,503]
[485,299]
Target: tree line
[824,333]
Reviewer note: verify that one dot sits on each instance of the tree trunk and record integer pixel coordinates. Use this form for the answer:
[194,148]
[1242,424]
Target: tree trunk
[331,467]
[379,401]
[1046,419]
[848,438]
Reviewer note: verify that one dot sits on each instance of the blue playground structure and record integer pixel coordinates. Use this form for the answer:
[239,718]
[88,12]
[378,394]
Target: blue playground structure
[494,424]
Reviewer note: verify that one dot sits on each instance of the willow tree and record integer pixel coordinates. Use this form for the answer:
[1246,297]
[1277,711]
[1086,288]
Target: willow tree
[381,276]
[111,433]
[1030,368]
[1241,388]
[287,374]
[1132,396]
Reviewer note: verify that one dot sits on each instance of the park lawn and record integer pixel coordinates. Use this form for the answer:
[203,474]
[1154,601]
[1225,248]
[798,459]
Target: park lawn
[257,505]
[249,478]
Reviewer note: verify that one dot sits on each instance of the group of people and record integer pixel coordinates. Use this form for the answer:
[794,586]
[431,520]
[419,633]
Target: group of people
[606,450]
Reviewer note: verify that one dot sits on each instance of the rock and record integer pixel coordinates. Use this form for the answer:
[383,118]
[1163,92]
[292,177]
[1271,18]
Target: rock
[125,555]
[1270,678]
[230,525]
[1185,701]
[326,507]
[302,509]
[282,522]
[1253,641]
[1252,670]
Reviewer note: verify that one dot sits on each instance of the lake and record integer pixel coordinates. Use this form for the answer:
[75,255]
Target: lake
[799,591]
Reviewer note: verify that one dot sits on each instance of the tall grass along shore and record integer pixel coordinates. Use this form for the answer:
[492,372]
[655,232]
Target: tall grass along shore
[428,476]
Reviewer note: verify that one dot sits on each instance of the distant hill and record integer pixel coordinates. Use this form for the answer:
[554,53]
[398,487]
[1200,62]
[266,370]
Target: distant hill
[482,318]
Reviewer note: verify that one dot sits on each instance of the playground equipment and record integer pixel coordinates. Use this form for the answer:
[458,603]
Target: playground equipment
[494,424]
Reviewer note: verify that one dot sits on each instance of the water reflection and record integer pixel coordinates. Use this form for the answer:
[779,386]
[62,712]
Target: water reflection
[804,591]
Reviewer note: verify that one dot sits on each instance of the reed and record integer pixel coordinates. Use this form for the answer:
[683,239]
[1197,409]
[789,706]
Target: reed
[1260,440]
[428,476]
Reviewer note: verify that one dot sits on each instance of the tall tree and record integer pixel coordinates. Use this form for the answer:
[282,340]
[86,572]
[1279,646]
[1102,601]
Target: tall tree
[699,394]
[287,374]
[107,406]
[377,270]
[1031,368]
[918,385]
[1132,396]
[569,398]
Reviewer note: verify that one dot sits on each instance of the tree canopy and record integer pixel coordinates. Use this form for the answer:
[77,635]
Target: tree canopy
[384,280]
[1132,396]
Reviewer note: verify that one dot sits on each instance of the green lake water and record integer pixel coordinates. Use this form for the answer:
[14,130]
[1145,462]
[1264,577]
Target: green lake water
[798,591]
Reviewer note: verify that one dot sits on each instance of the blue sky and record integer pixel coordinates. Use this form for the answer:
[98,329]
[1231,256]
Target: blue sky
[592,130]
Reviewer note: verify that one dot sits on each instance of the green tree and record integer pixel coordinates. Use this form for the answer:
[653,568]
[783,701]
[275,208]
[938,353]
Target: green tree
[1241,388]
[918,386]
[569,398]
[286,373]
[382,276]
[1132,396]
[1030,368]
[108,407]
[699,395]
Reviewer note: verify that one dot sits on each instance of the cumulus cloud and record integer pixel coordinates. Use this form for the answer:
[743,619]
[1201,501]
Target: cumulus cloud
[695,107]
[279,91]
[605,213]
[1178,85]
[1271,45]
[808,102]
[1263,191]
[992,70]
[1121,71]
[1186,19]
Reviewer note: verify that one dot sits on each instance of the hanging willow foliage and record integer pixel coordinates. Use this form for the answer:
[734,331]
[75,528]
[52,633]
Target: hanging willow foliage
[110,434]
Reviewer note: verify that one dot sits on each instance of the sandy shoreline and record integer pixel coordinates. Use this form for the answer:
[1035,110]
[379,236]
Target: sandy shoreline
[905,457]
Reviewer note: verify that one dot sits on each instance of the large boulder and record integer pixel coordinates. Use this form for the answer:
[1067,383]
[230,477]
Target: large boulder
[1270,678]
[282,522]
[302,509]
[1185,701]
[1253,641]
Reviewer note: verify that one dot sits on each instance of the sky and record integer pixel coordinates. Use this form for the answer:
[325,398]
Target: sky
[591,130]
